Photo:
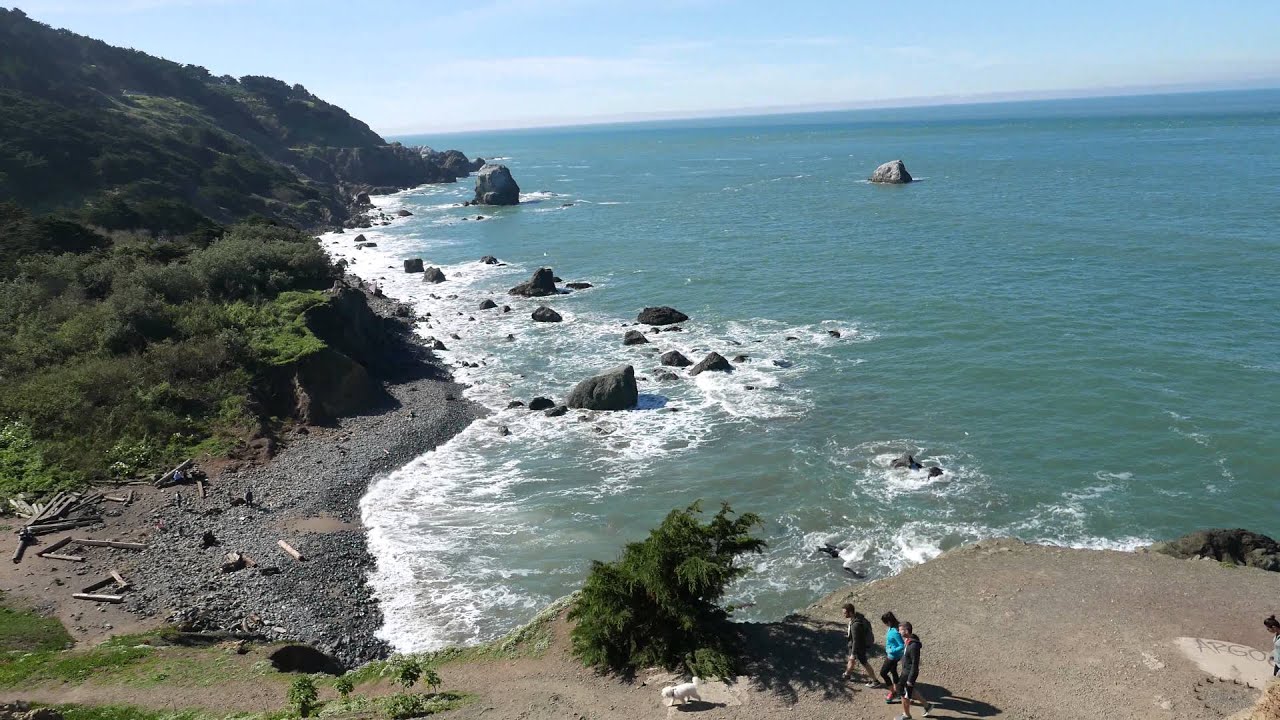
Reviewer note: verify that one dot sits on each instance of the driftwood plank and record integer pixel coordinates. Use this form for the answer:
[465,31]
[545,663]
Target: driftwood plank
[59,544]
[57,556]
[99,598]
[289,549]
[120,581]
[110,544]
[22,549]
[165,478]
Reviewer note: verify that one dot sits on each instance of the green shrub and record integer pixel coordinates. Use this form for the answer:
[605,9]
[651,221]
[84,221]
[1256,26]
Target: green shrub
[22,466]
[343,685]
[303,695]
[410,705]
[658,604]
[407,670]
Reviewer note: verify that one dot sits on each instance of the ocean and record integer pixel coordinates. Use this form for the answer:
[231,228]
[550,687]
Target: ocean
[1073,311]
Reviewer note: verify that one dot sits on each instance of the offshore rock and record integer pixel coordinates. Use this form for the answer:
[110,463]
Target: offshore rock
[433,275]
[661,316]
[612,390]
[542,283]
[714,361]
[634,337]
[893,172]
[675,359]
[546,314]
[413,266]
[495,186]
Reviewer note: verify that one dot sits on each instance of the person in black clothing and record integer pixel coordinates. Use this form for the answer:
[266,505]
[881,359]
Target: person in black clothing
[910,671]
[860,640]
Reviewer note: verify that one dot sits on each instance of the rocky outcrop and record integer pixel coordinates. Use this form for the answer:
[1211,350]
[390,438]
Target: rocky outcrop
[488,304]
[661,316]
[612,390]
[453,161]
[713,362]
[541,403]
[542,283]
[433,275]
[893,172]
[546,314]
[634,337]
[1238,547]
[489,260]
[495,186]
[362,199]
[906,461]
[413,266]
[673,358]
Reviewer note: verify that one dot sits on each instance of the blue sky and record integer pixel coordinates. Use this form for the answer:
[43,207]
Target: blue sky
[466,64]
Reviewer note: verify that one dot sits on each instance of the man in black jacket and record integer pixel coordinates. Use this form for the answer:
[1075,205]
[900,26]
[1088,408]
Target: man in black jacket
[910,671]
[860,638]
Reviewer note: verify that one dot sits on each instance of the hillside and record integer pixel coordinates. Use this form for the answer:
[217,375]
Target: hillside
[85,122]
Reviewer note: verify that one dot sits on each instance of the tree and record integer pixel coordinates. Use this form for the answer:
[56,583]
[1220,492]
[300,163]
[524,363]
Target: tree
[659,603]
[303,695]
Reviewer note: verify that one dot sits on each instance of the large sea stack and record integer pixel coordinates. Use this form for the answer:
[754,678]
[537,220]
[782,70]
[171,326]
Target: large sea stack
[542,283]
[495,186]
[893,172]
[613,390]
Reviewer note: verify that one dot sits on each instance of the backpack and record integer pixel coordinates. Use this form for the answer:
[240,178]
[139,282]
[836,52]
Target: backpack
[866,638]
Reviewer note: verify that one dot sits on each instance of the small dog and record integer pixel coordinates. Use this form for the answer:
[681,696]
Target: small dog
[682,692]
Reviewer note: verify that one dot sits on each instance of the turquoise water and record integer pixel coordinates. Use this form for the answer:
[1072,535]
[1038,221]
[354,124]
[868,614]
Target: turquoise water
[1073,312]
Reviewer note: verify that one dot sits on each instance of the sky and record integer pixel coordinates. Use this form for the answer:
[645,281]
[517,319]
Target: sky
[431,66]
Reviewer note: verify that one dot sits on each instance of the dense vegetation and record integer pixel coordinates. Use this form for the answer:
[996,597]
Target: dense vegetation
[658,605]
[123,350]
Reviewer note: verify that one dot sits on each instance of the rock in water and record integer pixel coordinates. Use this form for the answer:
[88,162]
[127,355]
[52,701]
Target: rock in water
[489,260]
[488,304]
[546,314]
[675,359]
[634,337]
[1239,547]
[495,186]
[893,173]
[362,199]
[542,283]
[413,266]
[433,275]
[578,285]
[613,390]
[403,213]
[541,403]
[661,316]
[713,361]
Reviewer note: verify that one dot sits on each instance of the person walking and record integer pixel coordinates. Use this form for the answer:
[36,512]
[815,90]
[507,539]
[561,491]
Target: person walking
[893,647]
[910,671]
[860,638]
[1273,625]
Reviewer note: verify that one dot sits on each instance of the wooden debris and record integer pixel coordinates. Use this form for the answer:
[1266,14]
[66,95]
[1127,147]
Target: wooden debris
[23,541]
[129,499]
[200,487]
[167,477]
[289,549]
[45,528]
[98,585]
[113,498]
[59,544]
[111,544]
[68,558]
[120,581]
[99,598]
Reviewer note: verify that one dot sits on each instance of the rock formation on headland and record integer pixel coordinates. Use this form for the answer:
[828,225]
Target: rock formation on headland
[495,186]
[612,390]
[893,172]
[542,283]
[1238,547]
[661,316]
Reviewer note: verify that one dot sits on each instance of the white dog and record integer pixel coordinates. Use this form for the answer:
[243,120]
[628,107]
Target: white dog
[682,692]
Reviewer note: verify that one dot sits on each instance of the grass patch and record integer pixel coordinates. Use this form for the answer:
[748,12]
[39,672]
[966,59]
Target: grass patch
[277,330]
[527,641]
[25,631]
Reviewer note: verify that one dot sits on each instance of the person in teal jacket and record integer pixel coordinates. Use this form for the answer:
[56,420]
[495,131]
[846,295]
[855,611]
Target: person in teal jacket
[893,647]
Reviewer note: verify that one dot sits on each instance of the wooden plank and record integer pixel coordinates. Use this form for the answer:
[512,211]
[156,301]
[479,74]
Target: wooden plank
[129,499]
[200,487]
[119,580]
[289,549]
[110,544]
[99,598]
[113,498]
[56,556]
[61,543]
[45,529]
[98,585]
[165,478]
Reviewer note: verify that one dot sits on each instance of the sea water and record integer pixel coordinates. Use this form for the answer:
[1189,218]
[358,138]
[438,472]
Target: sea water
[1073,311]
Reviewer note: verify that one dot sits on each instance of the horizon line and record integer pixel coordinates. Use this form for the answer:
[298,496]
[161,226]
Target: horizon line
[898,103]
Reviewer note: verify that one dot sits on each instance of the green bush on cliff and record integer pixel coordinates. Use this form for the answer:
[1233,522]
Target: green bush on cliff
[137,348]
[659,603]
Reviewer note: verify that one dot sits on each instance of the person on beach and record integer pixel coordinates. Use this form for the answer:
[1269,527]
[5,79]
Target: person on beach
[1273,625]
[860,638]
[893,647]
[910,671]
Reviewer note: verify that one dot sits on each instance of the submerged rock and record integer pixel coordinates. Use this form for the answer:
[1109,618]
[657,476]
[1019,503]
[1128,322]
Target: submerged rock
[661,316]
[546,314]
[893,172]
[714,361]
[578,285]
[673,358]
[612,390]
[542,283]
[541,403]
[495,186]
[634,337]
